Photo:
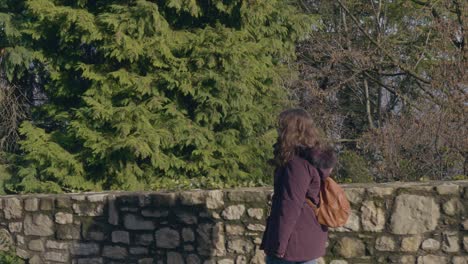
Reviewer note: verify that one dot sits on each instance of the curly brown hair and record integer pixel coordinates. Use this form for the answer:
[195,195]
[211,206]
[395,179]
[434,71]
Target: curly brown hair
[296,131]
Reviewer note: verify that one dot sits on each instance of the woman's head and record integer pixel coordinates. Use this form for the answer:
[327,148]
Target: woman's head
[296,130]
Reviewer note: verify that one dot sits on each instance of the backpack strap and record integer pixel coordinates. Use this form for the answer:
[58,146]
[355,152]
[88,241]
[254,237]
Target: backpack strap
[309,201]
[312,205]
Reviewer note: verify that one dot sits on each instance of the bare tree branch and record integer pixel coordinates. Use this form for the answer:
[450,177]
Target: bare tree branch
[385,52]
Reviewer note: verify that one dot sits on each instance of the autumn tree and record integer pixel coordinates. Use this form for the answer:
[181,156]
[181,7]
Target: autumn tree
[376,72]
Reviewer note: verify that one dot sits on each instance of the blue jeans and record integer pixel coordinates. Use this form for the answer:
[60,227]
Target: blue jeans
[275,260]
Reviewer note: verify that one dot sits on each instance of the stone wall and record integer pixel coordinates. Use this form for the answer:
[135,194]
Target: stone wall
[391,223]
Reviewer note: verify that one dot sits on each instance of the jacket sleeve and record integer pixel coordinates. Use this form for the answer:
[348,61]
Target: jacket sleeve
[294,184]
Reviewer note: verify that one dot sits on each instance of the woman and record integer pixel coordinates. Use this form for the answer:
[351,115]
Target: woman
[293,234]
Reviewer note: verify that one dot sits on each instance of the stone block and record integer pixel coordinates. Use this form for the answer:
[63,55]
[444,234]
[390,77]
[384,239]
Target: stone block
[385,243]
[19,241]
[79,197]
[138,251]
[84,249]
[97,198]
[214,199]
[38,225]
[156,213]
[380,191]
[148,261]
[248,195]
[257,240]
[354,195]
[63,218]
[88,209]
[234,229]
[240,246]
[12,209]
[36,245]
[193,259]
[114,252]
[432,259]
[259,257]
[144,239]
[321,261]
[256,213]
[414,214]
[93,235]
[189,248]
[113,217]
[448,188]
[233,212]
[15,227]
[164,199]
[420,188]
[188,235]
[407,260]
[192,197]
[225,261]
[56,245]
[63,202]
[241,259]
[465,243]
[430,244]
[31,204]
[167,238]
[256,227]
[348,247]
[24,254]
[90,261]
[372,217]
[211,240]
[68,232]
[47,203]
[174,258]
[136,222]
[145,200]
[453,207]
[338,261]
[186,217]
[450,242]
[460,260]
[128,200]
[61,257]
[121,237]
[219,248]
[410,244]
[35,260]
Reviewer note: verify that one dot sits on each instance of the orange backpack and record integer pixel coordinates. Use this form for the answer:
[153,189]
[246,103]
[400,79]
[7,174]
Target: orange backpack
[334,207]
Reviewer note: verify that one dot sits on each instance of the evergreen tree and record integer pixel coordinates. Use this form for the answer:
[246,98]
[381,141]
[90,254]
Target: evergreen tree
[148,94]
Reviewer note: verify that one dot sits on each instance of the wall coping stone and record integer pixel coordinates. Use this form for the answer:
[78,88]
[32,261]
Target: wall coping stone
[406,185]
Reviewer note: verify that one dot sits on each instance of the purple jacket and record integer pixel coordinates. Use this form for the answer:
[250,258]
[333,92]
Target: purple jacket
[292,231]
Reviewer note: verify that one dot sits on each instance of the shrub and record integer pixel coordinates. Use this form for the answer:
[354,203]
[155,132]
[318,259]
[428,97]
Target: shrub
[353,168]
[144,94]
[427,145]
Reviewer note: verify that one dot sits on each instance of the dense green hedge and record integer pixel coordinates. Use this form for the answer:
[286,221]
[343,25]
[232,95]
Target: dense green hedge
[147,94]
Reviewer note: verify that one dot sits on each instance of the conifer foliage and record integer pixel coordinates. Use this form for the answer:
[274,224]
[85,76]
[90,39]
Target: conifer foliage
[148,94]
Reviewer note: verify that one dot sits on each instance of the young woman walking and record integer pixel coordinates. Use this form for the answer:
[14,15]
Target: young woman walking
[293,234]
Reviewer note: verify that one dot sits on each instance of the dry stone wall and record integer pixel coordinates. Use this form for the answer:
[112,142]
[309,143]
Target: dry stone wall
[390,223]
